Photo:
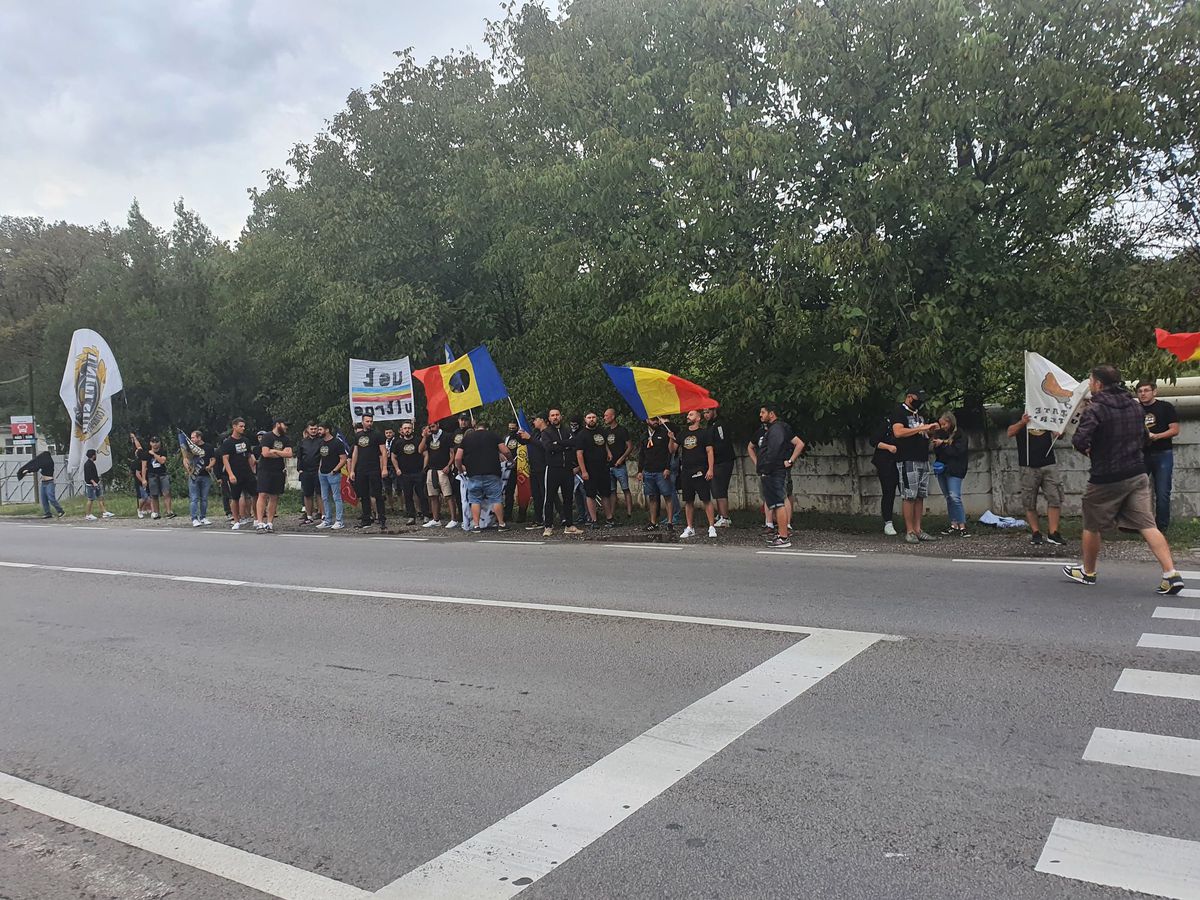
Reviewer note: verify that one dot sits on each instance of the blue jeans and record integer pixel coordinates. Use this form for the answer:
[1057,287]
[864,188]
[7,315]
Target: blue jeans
[952,491]
[198,488]
[1160,467]
[484,490]
[47,493]
[331,496]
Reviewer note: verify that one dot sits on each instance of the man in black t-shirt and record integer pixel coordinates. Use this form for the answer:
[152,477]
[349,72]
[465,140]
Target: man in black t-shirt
[535,453]
[696,463]
[479,457]
[1162,424]
[1039,472]
[911,434]
[308,464]
[368,462]
[774,453]
[620,446]
[275,448]
[435,445]
[331,456]
[408,462]
[238,463]
[158,479]
[591,455]
[93,488]
[139,482]
[723,462]
[654,469]
[391,481]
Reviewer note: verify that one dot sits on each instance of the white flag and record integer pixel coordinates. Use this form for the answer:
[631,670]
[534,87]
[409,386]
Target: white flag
[1053,399]
[89,382]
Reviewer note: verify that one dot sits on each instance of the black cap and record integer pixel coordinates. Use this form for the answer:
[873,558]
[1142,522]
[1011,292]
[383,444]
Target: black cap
[915,391]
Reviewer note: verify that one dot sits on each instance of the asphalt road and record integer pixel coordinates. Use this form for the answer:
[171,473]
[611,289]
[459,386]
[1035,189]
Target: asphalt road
[303,712]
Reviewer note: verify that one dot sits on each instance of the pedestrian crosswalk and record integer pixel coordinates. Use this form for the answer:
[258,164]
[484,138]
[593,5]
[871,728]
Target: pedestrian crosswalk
[1102,854]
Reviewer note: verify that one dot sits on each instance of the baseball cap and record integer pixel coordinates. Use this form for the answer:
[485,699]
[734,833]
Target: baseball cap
[916,391]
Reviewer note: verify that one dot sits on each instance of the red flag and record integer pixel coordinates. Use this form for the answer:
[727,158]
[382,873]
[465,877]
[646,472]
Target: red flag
[1184,345]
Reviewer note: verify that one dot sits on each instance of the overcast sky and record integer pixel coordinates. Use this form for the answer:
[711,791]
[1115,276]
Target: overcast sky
[106,101]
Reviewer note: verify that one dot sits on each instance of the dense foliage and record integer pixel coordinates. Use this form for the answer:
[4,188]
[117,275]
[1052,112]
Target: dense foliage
[811,202]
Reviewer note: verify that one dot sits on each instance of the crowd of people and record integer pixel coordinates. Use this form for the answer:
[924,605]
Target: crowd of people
[463,474]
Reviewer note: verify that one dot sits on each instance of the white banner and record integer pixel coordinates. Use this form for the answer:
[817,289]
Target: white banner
[88,385]
[1053,399]
[381,388]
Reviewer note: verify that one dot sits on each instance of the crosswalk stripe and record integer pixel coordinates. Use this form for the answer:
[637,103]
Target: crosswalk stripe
[1137,750]
[1149,863]
[1191,593]
[1159,684]
[1189,574]
[1176,612]
[1170,641]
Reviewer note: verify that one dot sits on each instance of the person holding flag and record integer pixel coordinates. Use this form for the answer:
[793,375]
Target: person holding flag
[198,463]
[157,478]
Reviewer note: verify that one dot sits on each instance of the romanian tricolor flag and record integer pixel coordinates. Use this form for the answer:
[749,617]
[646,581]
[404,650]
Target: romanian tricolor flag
[1185,346]
[469,381]
[653,392]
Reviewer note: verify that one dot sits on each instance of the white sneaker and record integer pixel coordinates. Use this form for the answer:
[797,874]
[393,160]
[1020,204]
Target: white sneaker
[269,526]
[259,526]
[687,533]
[432,523]
[236,526]
[451,524]
[723,522]
[89,518]
[154,515]
[205,521]
[245,521]
[108,515]
[141,514]
[336,526]
[195,523]
[889,529]
[322,524]
[712,531]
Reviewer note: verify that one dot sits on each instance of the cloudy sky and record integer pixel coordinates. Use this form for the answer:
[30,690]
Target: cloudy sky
[107,101]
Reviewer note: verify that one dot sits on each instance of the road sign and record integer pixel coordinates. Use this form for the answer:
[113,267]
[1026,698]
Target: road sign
[24,433]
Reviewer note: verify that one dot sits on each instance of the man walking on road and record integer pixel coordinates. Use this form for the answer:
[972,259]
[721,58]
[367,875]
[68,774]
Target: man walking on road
[1162,424]
[1039,472]
[479,457]
[1112,431]
[238,464]
[369,465]
[777,452]
[559,478]
[276,449]
[911,433]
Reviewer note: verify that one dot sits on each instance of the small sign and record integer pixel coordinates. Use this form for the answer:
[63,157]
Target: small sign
[24,433]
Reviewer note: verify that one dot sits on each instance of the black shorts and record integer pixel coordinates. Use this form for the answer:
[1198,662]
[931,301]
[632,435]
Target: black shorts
[391,484]
[598,487]
[695,485]
[308,484]
[271,483]
[722,475]
[246,486]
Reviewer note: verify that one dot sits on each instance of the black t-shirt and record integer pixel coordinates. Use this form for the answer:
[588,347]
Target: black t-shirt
[909,449]
[273,441]
[618,442]
[370,445]
[330,453]
[135,464]
[594,444]
[654,453]
[481,453]
[90,475]
[535,451]
[201,460]
[1035,448]
[407,453]
[238,451]
[154,466]
[693,449]
[438,446]
[722,442]
[774,446]
[512,441]
[1160,415]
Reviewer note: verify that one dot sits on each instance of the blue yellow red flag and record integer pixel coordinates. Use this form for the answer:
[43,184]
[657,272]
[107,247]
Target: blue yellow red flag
[469,381]
[653,392]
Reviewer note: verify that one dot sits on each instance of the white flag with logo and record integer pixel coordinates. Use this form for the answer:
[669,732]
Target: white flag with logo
[1053,399]
[89,382]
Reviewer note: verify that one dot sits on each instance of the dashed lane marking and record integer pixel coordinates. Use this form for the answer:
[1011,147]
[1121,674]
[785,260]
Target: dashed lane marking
[806,553]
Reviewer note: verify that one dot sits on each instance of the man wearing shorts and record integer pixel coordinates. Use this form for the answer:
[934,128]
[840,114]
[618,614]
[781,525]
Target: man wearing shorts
[1039,472]
[478,458]
[158,480]
[238,462]
[911,434]
[139,481]
[777,451]
[93,488]
[591,455]
[620,446]
[696,463]
[654,469]
[1112,432]
[275,447]
[435,445]
[723,460]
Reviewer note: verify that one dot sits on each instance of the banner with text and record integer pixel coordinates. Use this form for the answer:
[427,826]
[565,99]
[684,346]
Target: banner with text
[382,388]
[1053,399]
[89,381]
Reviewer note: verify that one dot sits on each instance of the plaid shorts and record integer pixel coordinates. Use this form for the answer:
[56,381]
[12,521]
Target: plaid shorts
[914,479]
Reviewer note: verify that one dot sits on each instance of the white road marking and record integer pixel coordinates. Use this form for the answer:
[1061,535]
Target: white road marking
[198,580]
[1170,641]
[1189,574]
[503,859]
[1191,593]
[806,553]
[510,543]
[1137,750]
[416,539]
[1098,854]
[473,601]
[1018,562]
[1159,684]
[645,546]
[1176,612]
[273,878]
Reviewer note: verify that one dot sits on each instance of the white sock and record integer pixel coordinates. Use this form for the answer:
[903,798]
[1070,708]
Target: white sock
[1171,573]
